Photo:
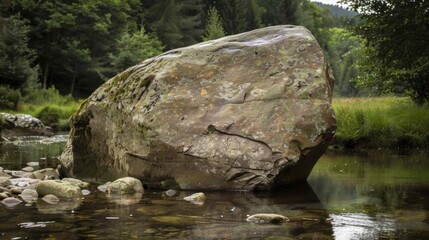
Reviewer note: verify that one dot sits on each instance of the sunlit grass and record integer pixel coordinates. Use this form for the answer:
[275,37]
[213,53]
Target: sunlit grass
[386,122]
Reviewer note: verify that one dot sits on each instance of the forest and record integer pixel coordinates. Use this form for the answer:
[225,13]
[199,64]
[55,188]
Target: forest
[53,53]
[75,46]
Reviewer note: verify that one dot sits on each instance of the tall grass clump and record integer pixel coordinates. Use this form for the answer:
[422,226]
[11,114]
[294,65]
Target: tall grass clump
[52,108]
[386,122]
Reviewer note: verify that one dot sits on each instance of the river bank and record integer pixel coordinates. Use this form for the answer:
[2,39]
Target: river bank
[386,122]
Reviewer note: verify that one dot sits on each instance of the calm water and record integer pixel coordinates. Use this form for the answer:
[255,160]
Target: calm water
[349,195]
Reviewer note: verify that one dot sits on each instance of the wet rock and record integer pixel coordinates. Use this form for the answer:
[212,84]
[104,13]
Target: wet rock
[11,202]
[4,175]
[23,125]
[244,112]
[4,195]
[58,188]
[29,195]
[76,182]
[267,218]
[16,190]
[51,199]
[197,198]
[46,174]
[126,185]
[4,181]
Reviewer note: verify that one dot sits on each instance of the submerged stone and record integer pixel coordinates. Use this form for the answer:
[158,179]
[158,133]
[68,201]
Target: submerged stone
[248,111]
[267,218]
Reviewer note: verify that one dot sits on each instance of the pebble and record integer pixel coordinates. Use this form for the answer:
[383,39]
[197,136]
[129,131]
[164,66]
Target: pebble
[28,169]
[4,195]
[11,202]
[51,199]
[171,192]
[16,190]
[85,192]
[267,218]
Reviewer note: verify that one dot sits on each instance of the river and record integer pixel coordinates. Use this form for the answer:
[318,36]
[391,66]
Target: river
[374,194]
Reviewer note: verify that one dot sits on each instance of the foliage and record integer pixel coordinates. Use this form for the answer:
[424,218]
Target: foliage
[135,47]
[396,34]
[342,53]
[381,122]
[177,23]
[279,12]
[9,98]
[72,38]
[214,28]
[16,59]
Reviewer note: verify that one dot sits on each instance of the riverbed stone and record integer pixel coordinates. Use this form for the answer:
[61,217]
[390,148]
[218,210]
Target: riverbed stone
[11,202]
[4,181]
[126,185]
[59,188]
[29,195]
[267,218]
[196,197]
[244,112]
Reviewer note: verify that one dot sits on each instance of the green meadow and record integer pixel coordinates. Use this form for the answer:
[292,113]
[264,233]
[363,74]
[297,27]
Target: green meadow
[385,122]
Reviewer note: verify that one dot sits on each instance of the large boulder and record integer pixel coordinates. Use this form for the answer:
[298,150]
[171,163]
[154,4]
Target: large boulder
[242,112]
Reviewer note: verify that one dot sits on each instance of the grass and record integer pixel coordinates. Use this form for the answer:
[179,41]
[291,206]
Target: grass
[49,106]
[386,122]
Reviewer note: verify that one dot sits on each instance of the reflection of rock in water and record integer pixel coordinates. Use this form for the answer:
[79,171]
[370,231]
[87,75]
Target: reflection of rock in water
[308,219]
[128,199]
[60,207]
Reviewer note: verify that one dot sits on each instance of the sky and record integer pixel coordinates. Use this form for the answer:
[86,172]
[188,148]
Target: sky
[326,1]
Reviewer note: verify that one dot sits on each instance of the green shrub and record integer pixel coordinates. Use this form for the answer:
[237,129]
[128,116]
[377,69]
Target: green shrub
[9,98]
[56,116]
[51,95]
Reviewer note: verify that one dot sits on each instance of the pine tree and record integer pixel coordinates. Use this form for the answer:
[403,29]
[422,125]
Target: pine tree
[16,59]
[214,28]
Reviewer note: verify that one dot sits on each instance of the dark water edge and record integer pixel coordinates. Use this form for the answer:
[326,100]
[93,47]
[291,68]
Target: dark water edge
[349,195]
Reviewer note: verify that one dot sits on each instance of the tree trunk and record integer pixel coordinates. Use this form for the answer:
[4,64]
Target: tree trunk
[74,79]
[45,76]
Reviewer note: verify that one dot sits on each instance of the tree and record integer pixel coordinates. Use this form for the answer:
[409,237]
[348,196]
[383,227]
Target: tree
[396,56]
[16,59]
[176,23]
[214,28]
[73,38]
[135,47]
[280,11]
[239,15]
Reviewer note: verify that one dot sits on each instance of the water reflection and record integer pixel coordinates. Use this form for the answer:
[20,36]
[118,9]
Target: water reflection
[371,195]
[374,195]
